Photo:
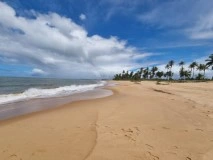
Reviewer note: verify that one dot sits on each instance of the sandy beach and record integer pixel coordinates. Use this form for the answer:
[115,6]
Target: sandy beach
[140,121]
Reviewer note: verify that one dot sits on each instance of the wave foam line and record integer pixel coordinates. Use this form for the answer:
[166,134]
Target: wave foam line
[46,93]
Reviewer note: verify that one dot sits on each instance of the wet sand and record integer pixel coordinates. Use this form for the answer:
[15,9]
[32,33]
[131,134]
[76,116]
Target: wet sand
[15,109]
[139,121]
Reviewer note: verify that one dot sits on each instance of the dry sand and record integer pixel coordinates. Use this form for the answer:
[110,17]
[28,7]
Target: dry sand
[141,121]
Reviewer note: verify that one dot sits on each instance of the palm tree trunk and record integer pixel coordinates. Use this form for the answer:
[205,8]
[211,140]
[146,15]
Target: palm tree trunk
[193,73]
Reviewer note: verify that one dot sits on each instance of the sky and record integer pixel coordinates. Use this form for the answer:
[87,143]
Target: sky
[98,38]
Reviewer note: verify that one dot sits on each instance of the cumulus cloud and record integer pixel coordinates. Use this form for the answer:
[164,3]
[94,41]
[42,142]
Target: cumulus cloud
[61,48]
[82,17]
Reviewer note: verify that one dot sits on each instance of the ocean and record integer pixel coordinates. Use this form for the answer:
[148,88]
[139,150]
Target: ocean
[14,89]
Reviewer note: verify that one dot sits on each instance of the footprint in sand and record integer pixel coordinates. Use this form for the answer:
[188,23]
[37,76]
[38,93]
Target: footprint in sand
[131,133]
[154,157]
[14,156]
[172,150]
[149,146]
[137,129]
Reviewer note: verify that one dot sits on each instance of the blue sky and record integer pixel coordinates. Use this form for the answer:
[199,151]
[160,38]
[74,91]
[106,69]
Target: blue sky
[83,39]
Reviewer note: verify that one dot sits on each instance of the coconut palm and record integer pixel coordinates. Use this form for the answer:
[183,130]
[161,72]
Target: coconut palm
[167,67]
[182,73]
[199,67]
[187,74]
[205,67]
[192,67]
[202,67]
[210,61]
[146,73]
[131,74]
[171,64]
[181,63]
[199,76]
[141,71]
[153,70]
[159,74]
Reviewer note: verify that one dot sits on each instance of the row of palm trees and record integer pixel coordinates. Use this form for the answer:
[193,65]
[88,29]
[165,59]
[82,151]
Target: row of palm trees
[155,73]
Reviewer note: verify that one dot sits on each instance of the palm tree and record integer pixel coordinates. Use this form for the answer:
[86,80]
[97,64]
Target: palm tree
[182,73]
[205,67]
[192,67]
[171,63]
[159,74]
[167,70]
[199,76]
[210,62]
[146,73]
[153,70]
[131,74]
[202,67]
[187,74]
[141,71]
[181,63]
[167,67]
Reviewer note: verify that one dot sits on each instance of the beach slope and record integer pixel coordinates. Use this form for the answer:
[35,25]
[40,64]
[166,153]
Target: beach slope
[139,121]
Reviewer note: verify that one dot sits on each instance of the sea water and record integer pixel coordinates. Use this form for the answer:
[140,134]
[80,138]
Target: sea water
[14,89]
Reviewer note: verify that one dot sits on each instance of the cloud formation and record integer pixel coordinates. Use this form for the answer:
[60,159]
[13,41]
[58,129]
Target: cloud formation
[37,72]
[82,17]
[203,28]
[192,18]
[58,47]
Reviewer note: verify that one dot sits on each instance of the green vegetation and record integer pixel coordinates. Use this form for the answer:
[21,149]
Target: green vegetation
[155,74]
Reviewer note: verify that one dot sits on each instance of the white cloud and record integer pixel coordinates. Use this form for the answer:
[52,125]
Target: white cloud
[82,17]
[196,21]
[203,28]
[61,48]
[38,72]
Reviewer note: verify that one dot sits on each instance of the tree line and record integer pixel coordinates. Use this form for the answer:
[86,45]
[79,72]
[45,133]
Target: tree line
[155,73]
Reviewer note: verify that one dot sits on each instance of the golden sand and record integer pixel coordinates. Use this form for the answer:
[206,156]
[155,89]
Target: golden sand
[141,121]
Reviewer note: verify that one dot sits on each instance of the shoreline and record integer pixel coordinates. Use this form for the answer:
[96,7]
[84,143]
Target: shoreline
[107,92]
[139,121]
[8,110]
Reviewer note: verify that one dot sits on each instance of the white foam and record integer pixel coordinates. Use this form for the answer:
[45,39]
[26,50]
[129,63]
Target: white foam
[44,93]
